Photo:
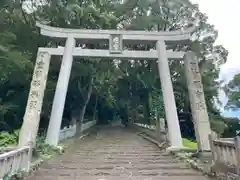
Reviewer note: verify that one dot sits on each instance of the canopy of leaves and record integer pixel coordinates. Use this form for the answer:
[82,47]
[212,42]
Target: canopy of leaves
[232,90]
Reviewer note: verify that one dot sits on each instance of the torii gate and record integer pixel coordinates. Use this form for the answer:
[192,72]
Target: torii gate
[116,38]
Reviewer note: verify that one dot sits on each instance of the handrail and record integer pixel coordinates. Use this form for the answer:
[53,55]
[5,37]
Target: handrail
[14,161]
[19,159]
[70,131]
[226,154]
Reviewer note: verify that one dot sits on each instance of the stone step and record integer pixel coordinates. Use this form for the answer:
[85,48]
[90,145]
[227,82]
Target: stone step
[115,154]
[119,161]
[128,166]
[72,177]
[122,171]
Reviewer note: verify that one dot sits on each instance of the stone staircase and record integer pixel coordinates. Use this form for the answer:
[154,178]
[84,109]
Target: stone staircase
[115,153]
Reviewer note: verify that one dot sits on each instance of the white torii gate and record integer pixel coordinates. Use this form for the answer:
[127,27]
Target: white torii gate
[115,37]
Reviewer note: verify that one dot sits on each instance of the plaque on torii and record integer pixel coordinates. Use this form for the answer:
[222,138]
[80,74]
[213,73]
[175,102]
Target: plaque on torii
[115,43]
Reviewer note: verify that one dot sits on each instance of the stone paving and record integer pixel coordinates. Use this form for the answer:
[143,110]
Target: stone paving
[115,153]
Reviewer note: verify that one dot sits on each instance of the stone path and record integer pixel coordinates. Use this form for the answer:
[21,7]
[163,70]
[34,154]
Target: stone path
[115,154]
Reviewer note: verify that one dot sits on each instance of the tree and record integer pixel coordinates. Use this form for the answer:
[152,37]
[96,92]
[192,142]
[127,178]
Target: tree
[14,73]
[232,89]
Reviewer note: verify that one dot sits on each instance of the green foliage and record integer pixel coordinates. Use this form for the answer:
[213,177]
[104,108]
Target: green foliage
[233,126]
[218,126]
[14,176]
[8,139]
[157,105]
[232,89]
[45,149]
[189,144]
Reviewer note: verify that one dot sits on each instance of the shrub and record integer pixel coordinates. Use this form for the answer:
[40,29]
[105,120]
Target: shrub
[218,126]
[44,149]
[14,176]
[8,139]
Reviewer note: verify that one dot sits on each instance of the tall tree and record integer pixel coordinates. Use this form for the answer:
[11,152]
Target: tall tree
[232,89]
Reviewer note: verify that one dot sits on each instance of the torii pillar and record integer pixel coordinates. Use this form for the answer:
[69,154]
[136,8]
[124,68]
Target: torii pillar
[197,101]
[174,132]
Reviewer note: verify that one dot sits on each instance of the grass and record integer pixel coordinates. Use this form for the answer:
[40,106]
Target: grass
[189,144]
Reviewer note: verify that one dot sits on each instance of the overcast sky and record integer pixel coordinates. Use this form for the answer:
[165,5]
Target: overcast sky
[224,15]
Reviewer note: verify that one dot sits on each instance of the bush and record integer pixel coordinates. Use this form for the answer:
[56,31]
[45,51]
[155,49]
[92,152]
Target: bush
[233,125]
[8,139]
[44,149]
[218,126]
[14,176]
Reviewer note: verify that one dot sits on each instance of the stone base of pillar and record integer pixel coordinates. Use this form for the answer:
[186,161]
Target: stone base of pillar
[179,149]
[203,155]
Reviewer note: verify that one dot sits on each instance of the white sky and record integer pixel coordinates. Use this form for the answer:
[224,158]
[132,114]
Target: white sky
[225,15]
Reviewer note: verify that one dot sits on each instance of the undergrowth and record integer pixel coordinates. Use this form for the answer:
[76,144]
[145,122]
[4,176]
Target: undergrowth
[8,139]
[14,176]
[45,149]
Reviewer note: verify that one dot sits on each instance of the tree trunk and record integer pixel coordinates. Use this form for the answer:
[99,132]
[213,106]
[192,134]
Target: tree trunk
[148,108]
[95,109]
[73,118]
[132,117]
[83,109]
[80,121]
